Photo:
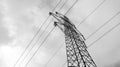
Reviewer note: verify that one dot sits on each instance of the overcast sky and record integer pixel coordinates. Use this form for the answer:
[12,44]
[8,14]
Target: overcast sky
[20,20]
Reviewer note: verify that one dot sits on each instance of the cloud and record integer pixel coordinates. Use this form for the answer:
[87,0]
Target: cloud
[20,21]
[117,64]
[9,55]
[4,32]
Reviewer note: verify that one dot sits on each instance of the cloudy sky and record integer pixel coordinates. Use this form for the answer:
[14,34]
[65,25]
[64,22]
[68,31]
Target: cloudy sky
[20,20]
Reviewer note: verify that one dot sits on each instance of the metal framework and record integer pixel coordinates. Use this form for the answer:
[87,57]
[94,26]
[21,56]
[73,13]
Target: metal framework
[76,49]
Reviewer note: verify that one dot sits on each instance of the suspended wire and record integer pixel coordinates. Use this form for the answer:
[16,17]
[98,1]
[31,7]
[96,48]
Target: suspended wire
[78,25]
[92,12]
[100,37]
[64,14]
[63,5]
[71,6]
[39,47]
[63,64]
[99,29]
[93,32]
[56,5]
[53,55]
[35,36]
[61,46]
[44,41]
[103,25]
[42,33]
[104,35]
[87,37]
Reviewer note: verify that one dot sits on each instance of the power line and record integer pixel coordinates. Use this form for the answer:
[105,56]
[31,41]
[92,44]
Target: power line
[39,47]
[78,25]
[92,12]
[100,37]
[42,33]
[103,24]
[99,29]
[56,5]
[93,32]
[63,5]
[45,39]
[104,35]
[64,14]
[71,6]
[87,37]
[35,36]
[53,55]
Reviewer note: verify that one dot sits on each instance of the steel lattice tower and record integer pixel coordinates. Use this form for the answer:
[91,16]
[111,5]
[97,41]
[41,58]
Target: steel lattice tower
[76,49]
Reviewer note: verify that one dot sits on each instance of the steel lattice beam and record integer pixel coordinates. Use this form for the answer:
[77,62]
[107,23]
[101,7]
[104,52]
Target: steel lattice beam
[76,49]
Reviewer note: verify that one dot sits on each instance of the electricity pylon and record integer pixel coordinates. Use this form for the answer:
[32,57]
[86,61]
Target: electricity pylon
[76,49]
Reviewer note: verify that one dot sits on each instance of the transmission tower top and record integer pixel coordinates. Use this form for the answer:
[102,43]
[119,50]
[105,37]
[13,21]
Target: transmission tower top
[63,21]
[76,49]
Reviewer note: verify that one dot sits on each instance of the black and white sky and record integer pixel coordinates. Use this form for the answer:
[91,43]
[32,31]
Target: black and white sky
[20,20]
